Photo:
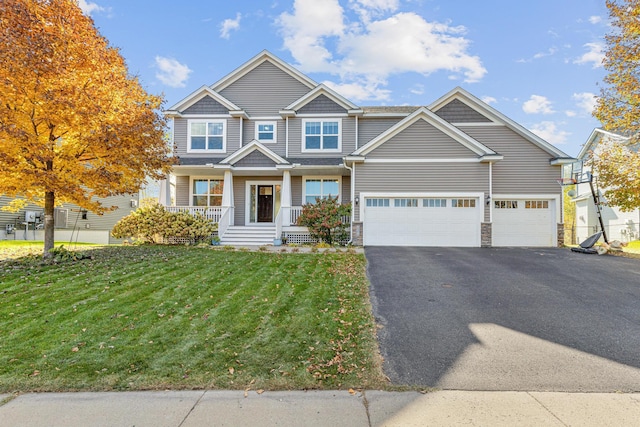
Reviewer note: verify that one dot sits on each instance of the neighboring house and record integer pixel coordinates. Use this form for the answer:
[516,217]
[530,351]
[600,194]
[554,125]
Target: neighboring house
[72,224]
[618,225]
[265,139]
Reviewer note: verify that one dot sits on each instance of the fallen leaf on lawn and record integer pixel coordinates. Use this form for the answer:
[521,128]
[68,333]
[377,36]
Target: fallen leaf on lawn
[75,349]
[35,373]
[231,370]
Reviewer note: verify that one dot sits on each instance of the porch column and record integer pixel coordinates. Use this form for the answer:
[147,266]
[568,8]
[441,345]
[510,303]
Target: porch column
[165,191]
[285,198]
[227,194]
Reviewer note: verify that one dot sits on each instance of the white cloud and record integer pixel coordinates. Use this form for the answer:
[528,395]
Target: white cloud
[595,19]
[549,132]
[357,91]
[489,99]
[585,101]
[538,105]
[378,44]
[88,7]
[570,113]
[171,72]
[229,25]
[594,55]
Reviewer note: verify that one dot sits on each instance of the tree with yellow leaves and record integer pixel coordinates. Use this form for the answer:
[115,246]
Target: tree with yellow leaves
[617,163]
[74,125]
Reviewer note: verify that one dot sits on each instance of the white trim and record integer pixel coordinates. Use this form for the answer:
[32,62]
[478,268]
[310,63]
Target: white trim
[322,177]
[321,115]
[490,192]
[274,123]
[470,124]
[286,136]
[200,178]
[321,120]
[199,94]
[321,89]
[207,120]
[250,148]
[247,201]
[208,116]
[469,160]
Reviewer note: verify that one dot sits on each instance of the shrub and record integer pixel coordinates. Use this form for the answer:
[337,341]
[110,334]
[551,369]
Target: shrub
[153,224]
[324,220]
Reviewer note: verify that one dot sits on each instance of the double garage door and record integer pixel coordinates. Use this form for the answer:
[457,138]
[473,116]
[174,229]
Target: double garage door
[422,221]
[456,221]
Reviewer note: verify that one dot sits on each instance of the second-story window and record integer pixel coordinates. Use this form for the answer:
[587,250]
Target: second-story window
[321,135]
[266,132]
[206,135]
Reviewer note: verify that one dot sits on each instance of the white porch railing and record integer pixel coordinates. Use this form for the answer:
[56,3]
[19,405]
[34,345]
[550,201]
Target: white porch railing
[213,213]
[296,211]
[279,224]
[225,221]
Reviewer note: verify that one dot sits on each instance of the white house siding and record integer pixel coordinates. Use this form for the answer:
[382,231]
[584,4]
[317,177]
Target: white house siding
[264,91]
[421,178]
[421,140]
[525,168]
[348,138]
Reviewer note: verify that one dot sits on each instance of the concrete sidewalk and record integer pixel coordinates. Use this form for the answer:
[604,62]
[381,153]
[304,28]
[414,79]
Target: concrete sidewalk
[320,408]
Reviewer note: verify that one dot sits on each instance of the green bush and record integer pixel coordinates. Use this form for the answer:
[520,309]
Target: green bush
[324,220]
[153,224]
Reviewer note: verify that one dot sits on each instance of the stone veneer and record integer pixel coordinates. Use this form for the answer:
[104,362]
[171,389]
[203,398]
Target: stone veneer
[356,233]
[560,235]
[485,235]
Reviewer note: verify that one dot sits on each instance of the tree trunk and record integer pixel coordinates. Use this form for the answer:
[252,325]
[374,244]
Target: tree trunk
[49,200]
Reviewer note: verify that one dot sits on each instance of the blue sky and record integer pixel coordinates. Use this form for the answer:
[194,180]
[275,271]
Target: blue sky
[538,62]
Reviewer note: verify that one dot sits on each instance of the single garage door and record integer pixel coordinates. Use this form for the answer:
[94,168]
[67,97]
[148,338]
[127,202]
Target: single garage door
[422,221]
[523,222]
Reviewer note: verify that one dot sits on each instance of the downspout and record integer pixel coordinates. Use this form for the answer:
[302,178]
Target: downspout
[353,175]
[286,136]
[241,131]
[357,132]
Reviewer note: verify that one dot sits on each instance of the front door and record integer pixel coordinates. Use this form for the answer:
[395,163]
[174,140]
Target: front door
[265,203]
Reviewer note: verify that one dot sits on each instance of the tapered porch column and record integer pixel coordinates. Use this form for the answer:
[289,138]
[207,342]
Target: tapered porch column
[227,195]
[285,198]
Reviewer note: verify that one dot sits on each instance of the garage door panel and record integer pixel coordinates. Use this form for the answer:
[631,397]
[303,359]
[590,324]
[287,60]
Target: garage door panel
[422,226]
[522,226]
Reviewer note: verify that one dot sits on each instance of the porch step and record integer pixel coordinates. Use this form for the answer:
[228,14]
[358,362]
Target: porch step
[248,236]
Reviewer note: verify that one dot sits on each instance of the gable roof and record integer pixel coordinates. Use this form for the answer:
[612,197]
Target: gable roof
[322,89]
[496,116]
[425,114]
[594,139]
[197,96]
[256,61]
[250,148]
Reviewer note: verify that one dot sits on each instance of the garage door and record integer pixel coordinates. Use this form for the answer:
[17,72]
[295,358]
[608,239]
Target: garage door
[426,221]
[524,222]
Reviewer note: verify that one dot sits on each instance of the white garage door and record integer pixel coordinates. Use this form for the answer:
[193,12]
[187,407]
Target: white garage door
[427,221]
[523,222]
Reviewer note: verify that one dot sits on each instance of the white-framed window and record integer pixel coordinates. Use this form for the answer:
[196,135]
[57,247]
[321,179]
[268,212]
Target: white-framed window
[463,203]
[377,203]
[505,204]
[267,132]
[207,135]
[320,188]
[434,203]
[321,135]
[405,203]
[536,204]
[206,191]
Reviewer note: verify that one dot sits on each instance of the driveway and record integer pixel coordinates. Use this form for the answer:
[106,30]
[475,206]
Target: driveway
[507,319]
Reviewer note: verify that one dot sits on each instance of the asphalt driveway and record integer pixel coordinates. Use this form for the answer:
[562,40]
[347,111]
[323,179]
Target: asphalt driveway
[507,319]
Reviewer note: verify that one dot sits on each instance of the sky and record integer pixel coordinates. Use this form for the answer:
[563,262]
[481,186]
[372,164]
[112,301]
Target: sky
[537,62]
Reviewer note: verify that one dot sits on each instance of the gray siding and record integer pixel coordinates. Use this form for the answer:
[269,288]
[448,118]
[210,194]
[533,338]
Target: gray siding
[346,189]
[421,177]
[206,105]
[322,105]
[296,191]
[458,112]
[370,128]
[422,140]
[182,191]
[239,198]
[249,134]
[255,159]
[348,138]
[180,133]
[265,90]
[525,167]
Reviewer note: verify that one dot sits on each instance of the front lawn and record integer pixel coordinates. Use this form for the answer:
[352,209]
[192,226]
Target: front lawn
[152,317]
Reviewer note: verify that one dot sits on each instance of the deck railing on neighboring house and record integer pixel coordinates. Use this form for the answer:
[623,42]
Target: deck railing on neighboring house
[213,213]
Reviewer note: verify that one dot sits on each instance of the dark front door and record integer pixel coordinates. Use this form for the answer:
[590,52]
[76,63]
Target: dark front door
[265,203]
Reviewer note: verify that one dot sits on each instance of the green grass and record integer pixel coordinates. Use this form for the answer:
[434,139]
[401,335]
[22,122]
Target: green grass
[11,249]
[150,317]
